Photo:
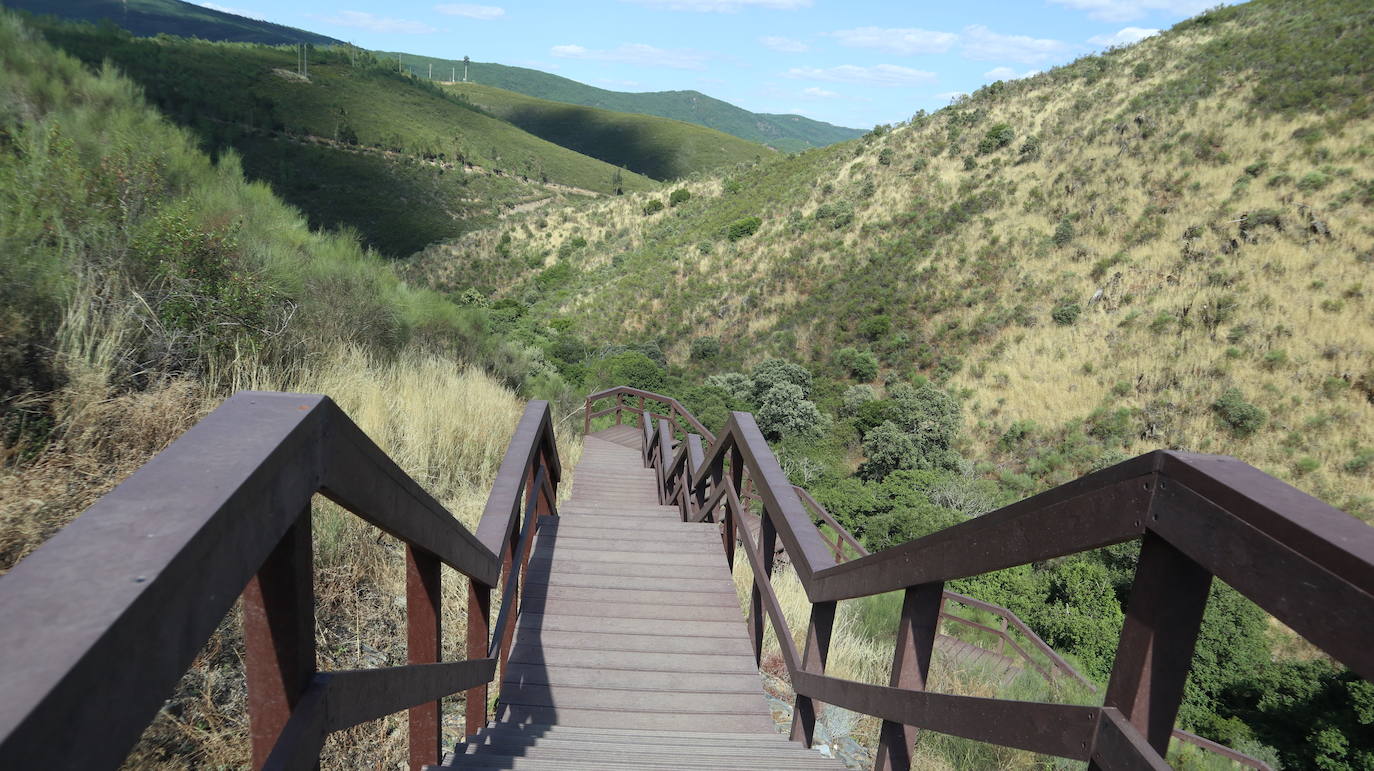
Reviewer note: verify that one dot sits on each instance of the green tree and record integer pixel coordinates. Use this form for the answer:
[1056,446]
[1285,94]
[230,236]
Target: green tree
[785,411]
[772,372]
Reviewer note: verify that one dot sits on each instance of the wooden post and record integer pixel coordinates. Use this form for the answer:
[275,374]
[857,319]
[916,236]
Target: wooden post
[423,636]
[920,621]
[768,536]
[1168,597]
[279,636]
[1002,641]
[479,637]
[813,660]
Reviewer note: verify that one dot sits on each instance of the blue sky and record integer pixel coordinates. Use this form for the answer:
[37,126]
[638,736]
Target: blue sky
[850,62]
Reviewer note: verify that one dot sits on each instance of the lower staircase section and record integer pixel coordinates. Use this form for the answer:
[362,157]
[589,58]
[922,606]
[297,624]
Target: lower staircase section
[631,650]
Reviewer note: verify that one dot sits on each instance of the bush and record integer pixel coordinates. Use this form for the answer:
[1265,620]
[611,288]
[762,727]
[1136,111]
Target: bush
[875,327]
[704,348]
[635,370]
[680,196]
[652,206]
[861,365]
[887,448]
[999,136]
[743,228]
[1063,232]
[773,372]
[737,385]
[1066,312]
[885,156]
[784,411]
[1242,417]
[855,397]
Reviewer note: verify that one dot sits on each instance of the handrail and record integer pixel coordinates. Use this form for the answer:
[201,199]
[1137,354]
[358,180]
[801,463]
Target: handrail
[102,620]
[1196,515]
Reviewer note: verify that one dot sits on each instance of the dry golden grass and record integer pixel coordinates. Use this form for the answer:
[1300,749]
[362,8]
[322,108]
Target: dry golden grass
[445,423]
[1298,342]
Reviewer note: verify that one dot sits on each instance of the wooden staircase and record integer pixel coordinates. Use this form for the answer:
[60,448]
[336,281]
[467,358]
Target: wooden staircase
[631,649]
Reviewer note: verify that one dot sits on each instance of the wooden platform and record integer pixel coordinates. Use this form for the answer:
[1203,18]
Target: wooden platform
[631,650]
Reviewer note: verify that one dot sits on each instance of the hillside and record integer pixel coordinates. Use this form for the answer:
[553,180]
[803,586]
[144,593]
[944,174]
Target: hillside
[1167,245]
[147,18]
[789,133]
[415,164]
[655,147]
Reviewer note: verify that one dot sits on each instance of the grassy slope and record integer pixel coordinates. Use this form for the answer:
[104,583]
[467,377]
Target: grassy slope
[221,90]
[1128,203]
[789,133]
[655,147]
[173,17]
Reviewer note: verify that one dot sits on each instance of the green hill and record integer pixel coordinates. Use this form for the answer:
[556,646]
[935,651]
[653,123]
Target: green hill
[655,147]
[1169,245]
[173,17]
[789,133]
[413,163]
[1161,233]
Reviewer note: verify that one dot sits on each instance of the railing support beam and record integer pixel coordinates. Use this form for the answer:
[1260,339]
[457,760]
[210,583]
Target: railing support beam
[279,636]
[479,634]
[1163,616]
[920,622]
[423,635]
[814,656]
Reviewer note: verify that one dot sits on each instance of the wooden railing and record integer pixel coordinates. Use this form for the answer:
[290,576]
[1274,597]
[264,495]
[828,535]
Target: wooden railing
[98,625]
[1197,516]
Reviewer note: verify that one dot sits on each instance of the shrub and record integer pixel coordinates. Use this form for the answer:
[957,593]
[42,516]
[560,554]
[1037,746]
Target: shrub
[836,214]
[855,397]
[704,348]
[680,196]
[1362,461]
[999,136]
[887,448]
[1112,426]
[784,411]
[773,372]
[636,370]
[875,327]
[861,365]
[1030,148]
[1275,359]
[1314,180]
[737,385]
[743,228]
[1066,312]
[652,206]
[885,156]
[930,415]
[1240,416]
[1063,232]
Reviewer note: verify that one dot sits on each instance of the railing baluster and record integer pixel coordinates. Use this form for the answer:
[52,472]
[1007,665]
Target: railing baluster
[768,538]
[479,639]
[279,635]
[1163,615]
[920,622]
[814,657]
[423,635]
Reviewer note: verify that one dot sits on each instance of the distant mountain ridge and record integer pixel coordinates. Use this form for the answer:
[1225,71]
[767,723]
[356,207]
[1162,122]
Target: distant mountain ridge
[146,18]
[783,132]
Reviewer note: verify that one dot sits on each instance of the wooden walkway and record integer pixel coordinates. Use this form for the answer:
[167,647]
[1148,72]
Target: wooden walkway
[631,650]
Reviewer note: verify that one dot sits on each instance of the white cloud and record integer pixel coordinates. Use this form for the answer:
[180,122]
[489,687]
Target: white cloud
[784,44]
[900,41]
[467,10]
[982,44]
[1126,10]
[235,11]
[1007,73]
[367,21]
[877,75]
[820,93]
[637,53]
[722,6]
[1122,37]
